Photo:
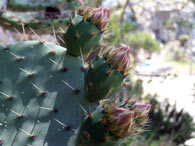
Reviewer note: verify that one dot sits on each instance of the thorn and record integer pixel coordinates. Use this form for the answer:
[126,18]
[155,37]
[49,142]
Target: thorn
[42,93]
[61,39]
[126,84]
[17,31]
[109,73]
[71,21]
[65,126]
[1,141]
[90,115]
[19,59]
[23,30]
[76,91]
[90,84]
[6,49]
[54,62]
[36,35]
[20,116]
[54,33]
[87,135]
[27,133]
[92,35]
[31,75]
[119,69]
[91,66]
[10,98]
[64,69]
[77,35]
[83,62]
[82,108]
[49,109]
[52,52]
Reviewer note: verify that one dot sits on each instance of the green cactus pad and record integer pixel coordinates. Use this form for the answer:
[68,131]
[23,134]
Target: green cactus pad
[41,95]
[35,20]
[94,133]
[82,36]
[33,4]
[101,81]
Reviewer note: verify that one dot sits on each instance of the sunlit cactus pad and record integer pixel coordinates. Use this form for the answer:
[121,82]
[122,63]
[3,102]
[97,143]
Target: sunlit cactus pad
[41,94]
[33,4]
[36,20]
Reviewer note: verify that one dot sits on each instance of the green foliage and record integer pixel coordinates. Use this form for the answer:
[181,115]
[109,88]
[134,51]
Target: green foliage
[143,40]
[166,120]
[119,30]
[183,38]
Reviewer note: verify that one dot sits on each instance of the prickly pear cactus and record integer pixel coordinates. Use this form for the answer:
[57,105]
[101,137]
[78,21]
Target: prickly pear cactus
[41,15]
[46,92]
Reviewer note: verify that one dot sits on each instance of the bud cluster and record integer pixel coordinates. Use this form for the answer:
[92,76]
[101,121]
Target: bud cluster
[119,58]
[126,119]
[97,16]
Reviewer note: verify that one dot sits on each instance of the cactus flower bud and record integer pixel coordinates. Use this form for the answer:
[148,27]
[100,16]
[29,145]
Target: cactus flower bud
[119,58]
[127,119]
[97,16]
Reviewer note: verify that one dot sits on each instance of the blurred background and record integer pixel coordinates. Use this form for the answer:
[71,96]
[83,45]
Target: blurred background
[161,35]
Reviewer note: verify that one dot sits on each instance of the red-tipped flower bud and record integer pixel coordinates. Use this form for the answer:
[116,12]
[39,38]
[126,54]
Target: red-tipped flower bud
[125,120]
[97,16]
[119,58]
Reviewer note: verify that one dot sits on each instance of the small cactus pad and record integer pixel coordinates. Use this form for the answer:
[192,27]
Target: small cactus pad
[102,81]
[85,35]
[81,37]
[32,4]
[41,94]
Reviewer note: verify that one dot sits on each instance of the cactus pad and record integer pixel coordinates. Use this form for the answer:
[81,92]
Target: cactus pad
[41,91]
[36,20]
[32,4]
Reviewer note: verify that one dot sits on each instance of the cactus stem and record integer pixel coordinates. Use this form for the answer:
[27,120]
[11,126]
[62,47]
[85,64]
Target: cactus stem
[42,93]
[31,136]
[20,116]
[49,109]
[8,97]
[76,91]
[31,75]
[65,126]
